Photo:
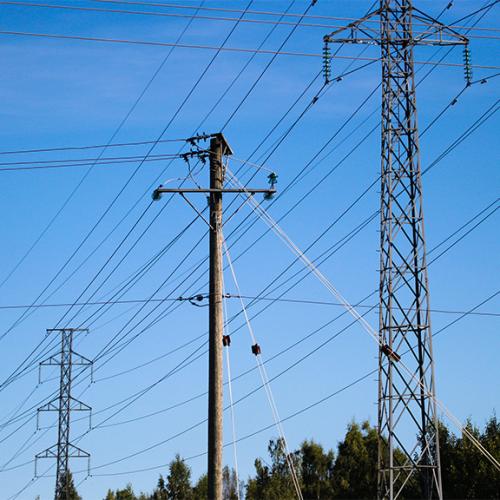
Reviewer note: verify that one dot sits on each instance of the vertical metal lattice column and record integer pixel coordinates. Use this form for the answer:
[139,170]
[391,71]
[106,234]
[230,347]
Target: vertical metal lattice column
[408,435]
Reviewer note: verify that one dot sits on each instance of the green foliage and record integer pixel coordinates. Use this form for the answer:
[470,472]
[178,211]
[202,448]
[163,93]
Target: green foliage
[200,490]
[273,482]
[179,480]
[466,473]
[355,470]
[160,493]
[351,474]
[66,489]
[316,471]
[126,494]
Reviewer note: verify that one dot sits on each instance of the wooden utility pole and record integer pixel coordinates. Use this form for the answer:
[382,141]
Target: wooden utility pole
[218,149]
[216,320]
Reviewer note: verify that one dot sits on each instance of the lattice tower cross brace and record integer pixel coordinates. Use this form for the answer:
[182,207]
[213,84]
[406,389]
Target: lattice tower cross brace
[407,422]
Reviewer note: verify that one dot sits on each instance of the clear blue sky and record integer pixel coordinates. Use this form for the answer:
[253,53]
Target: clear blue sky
[58,93]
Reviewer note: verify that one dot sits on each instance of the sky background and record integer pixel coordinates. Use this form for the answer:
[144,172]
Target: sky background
[59,93]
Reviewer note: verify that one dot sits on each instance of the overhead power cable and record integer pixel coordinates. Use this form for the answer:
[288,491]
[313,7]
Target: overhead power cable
[292,3]
[84,177]
[82,148]
[351,384]
[274,13]
[367,297]
[374,306]
[218,49]
[23,166]
[150,150]
[296,413]
[228,296]
[360,319]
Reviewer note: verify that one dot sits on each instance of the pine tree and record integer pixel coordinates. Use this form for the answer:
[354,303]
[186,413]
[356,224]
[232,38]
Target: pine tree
[66,489]
[160,493]
[200,489]
[179,480]
[126,494]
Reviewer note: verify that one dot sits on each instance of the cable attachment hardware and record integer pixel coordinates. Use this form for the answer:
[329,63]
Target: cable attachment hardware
[273,180]
[390,353]
[256,349]
[327,61]
[467,66]
[226,340]
[201,154]
[200,137]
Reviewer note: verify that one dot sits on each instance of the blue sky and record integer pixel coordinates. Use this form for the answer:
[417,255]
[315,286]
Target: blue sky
[60,93]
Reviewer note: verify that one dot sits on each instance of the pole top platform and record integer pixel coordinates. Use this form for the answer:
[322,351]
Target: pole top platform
[226,148]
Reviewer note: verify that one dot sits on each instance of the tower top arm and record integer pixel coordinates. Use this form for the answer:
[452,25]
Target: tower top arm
[368,30]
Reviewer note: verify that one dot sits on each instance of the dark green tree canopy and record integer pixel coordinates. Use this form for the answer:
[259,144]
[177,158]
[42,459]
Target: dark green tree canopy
[179,480]
[67,489]
[349,473]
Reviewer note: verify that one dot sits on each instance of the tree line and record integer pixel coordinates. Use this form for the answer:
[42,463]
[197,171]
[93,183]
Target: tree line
[349,472]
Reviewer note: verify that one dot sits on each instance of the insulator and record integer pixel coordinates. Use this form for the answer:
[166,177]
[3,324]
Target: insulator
[272,179]
[327,67]
[467,66]
[256,349]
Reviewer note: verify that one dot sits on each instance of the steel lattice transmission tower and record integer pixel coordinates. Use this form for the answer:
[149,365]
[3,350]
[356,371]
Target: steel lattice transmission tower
[64,404]
[407,420]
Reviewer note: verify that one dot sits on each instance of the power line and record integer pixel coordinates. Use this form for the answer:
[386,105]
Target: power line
[197,17]
[450,247]
[84,177]
[357,381]
[271,13]
[150,150]
[368,296]
[229,296]
[219,49]
[93,164]
[94,146]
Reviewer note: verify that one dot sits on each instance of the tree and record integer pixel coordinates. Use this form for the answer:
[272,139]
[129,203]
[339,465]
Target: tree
[355,470]
[466,473]
[66,489]
[316,471]
[490,477]
[200,490]
[126,494]
[274,482]
[179,480]
[230,484]
[160,493]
